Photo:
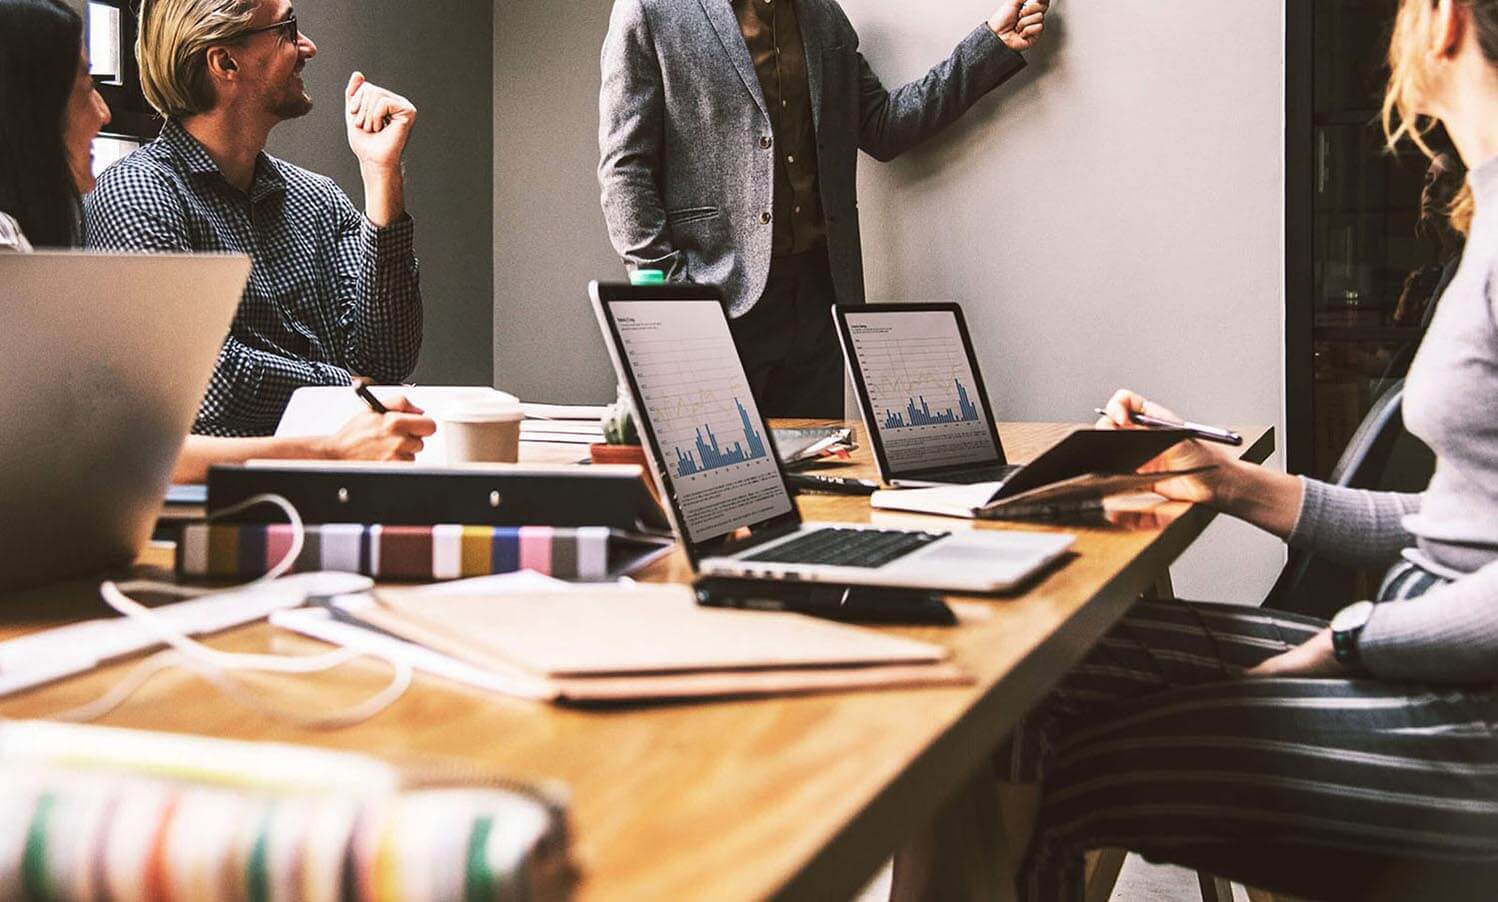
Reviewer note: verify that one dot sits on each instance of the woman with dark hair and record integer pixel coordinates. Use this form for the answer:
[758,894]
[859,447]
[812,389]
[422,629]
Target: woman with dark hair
[49,117]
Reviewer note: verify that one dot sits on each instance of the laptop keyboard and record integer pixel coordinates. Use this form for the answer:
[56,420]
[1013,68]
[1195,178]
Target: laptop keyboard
[848,547]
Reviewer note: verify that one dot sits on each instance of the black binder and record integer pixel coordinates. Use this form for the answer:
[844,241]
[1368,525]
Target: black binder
[472,495]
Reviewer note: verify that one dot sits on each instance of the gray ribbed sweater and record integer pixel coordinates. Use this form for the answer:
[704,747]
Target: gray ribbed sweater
[1450,634]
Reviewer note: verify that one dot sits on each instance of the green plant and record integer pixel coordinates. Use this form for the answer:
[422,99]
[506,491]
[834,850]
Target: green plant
[619,424]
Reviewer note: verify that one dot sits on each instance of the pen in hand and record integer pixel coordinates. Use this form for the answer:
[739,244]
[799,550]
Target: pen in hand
[361,388]
[1197,430]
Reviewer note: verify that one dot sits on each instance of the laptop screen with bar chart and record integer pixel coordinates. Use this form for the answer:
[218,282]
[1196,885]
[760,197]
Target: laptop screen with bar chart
[919,387]
[713,449]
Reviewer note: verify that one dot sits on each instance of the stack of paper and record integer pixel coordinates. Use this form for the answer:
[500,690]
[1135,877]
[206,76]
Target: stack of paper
[570,424]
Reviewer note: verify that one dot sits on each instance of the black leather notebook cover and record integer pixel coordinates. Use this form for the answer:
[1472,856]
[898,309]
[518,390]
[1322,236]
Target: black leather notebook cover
[1093,451]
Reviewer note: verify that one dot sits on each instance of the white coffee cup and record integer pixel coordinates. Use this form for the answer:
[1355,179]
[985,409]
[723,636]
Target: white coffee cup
[482,428]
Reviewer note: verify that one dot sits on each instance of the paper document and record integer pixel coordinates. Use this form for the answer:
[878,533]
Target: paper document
[593,412]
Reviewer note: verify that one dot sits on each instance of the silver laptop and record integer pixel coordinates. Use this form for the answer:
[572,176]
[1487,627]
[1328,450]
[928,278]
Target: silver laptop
[921,394]
[103,362]
[714,458]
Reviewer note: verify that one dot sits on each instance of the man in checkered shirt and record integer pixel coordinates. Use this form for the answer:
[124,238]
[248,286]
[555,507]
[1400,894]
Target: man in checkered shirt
[332,291]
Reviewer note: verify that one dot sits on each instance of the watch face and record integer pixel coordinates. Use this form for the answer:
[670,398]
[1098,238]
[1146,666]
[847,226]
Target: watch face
[1352,617]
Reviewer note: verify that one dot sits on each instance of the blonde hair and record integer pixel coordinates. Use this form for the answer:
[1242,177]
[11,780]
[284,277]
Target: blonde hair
[1409,80]
[172,50]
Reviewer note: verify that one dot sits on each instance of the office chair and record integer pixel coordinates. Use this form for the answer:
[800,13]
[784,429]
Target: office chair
[1318,587]
[1399,364]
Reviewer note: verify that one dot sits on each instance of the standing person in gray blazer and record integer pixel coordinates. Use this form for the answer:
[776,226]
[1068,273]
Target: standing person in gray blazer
[729,132]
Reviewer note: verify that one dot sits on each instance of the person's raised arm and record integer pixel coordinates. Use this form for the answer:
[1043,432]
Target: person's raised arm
[892,122]
[379,292]
[380,308]
[631,144]
[379,124]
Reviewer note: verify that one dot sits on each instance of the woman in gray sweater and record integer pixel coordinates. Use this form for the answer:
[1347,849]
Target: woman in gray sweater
[1351,760]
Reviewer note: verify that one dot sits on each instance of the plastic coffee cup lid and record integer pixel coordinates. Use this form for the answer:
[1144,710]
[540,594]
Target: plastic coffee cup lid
[483,407]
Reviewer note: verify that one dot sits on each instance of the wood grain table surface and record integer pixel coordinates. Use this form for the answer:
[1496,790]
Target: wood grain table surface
[799,797]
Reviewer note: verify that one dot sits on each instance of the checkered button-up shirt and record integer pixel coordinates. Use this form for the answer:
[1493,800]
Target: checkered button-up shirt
[329,292]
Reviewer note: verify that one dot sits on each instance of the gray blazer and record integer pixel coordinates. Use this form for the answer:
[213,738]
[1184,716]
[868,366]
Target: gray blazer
[685,137]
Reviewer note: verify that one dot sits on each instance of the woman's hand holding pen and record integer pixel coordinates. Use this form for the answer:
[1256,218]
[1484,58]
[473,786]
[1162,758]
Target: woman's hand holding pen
[1268,499]
[396,435]
[1202,488]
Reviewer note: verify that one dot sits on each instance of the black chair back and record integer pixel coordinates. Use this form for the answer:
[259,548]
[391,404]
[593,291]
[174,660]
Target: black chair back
[1314,586]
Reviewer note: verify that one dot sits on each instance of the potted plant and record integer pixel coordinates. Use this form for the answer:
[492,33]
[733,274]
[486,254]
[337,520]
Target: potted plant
[621,443]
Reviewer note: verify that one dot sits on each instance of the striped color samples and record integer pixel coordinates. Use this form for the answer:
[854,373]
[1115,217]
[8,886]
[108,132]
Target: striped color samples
[86,835]
[425,553]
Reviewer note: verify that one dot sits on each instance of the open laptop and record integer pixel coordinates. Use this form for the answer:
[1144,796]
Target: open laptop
[921,394]
[104,361]
[713,456]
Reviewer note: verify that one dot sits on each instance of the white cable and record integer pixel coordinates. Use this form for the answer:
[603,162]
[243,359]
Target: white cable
[216,666]
[165,660]
[194,650]
[298,541]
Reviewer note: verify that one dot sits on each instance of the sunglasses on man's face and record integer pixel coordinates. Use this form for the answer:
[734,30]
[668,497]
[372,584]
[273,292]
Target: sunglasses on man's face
[286,26]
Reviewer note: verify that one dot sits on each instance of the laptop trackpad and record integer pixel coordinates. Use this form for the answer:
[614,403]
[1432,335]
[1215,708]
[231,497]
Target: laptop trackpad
[979,555]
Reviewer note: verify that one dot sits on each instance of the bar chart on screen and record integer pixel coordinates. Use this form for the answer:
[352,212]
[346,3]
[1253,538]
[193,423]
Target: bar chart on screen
[922,389]
[698,404]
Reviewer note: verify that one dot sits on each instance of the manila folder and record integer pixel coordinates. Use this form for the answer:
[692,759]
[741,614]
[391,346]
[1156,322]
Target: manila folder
[633,643]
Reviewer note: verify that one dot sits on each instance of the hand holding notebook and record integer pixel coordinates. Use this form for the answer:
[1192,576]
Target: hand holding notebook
[1076,473]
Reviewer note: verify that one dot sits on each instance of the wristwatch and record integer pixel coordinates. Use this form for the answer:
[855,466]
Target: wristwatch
[1346,627]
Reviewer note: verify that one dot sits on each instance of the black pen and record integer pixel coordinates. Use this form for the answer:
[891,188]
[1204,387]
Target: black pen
[1197,430]
[361,388]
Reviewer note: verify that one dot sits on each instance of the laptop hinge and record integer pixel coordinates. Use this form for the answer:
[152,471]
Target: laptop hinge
[768,534]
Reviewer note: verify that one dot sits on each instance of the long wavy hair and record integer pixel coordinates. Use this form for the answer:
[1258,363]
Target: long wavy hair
[39,45]
[1409,80]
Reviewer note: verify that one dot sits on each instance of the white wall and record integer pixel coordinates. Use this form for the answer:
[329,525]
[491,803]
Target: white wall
[1113,216]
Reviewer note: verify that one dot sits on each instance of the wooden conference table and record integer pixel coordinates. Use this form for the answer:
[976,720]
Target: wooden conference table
[800,797]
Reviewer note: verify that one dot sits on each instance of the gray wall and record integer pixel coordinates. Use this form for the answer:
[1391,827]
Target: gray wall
[549,233]
[439,54]
[1113,216]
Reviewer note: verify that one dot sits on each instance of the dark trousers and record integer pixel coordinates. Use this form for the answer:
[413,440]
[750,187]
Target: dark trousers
[788,341]
[1353,789]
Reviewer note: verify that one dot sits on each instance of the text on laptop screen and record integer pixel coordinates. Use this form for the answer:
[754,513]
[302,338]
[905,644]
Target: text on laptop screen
[921,388]
[718,460]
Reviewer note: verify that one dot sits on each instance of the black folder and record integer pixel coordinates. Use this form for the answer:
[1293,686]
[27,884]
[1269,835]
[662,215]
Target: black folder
[473,495]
